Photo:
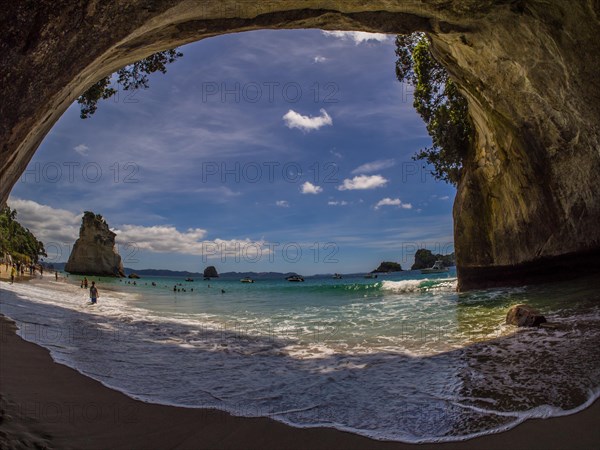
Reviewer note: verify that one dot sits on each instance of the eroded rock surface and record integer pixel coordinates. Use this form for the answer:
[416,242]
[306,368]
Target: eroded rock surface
[94,252]
[211,272]
[524,316]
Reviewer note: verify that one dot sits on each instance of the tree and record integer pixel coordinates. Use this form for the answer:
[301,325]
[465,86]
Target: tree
[16,240]
[439,103]
[388,266]
[132,77]
[425,258]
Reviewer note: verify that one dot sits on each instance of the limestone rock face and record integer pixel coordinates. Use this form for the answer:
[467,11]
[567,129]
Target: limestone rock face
[524,316]
[94,252]
[388,266]
[527,207]
[211,272]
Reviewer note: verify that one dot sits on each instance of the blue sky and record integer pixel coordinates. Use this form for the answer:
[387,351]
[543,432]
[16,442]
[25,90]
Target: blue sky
[265,151]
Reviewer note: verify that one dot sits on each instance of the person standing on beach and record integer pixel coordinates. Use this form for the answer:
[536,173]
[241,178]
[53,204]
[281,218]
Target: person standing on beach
[94,293]
[56,275]
[85,282]
[13,273]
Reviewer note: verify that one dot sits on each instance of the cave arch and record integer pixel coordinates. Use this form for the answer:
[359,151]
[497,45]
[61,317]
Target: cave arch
[527,207]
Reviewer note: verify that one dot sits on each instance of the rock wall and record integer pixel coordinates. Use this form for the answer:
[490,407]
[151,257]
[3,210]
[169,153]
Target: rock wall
[211,272]
[94,252]
[527,207]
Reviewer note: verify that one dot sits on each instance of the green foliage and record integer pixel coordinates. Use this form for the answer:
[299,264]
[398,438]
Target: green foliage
[425,258]
[132,77]
[439,103]
[17,241]
[388,266]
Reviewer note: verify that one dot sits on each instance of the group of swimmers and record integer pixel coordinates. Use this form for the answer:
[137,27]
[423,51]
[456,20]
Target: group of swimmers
[177,289]
[94,290]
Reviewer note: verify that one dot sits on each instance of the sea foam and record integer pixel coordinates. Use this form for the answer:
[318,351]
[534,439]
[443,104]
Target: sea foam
[349,364]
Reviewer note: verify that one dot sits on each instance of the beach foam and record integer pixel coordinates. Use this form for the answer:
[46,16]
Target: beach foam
[359,365]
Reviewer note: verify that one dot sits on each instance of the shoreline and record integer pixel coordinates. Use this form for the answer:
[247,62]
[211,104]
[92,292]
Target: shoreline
[52,405]
[5,275]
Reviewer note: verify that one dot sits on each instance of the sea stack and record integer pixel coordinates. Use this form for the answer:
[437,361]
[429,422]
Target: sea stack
[387,267]
[94,252]
[211,272]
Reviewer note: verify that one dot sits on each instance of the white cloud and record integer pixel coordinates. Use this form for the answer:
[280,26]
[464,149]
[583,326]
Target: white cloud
[54,227]
[363,182]
[58,229]
[358,36]
[320,59]
[82,149]
[338,155]
[282,203]
[392,202]
[218,194]
[336,203]
[160,238]
[388,202]
[445,197]
[374,166]
[305,123]
[167,239]
[309,188]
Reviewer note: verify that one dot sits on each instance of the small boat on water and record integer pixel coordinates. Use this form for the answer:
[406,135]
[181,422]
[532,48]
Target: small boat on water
[189,279]
[247,280]
[370,275]
[337,276]
[438,267]
[295,278]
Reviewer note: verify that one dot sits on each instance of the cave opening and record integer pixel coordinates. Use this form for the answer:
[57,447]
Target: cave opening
[264,151]
[526,209]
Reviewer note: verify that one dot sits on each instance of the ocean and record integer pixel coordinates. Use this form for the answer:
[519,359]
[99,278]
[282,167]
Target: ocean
[403,357]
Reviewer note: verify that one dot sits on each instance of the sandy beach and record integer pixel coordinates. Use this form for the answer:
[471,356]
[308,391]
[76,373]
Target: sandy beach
[49,405]
[5,274]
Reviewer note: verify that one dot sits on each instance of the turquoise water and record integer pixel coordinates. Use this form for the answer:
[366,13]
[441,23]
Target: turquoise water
[402,357]
[352,312]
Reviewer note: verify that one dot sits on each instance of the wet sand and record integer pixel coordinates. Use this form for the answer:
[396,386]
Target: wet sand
[45,404]
[5,274]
